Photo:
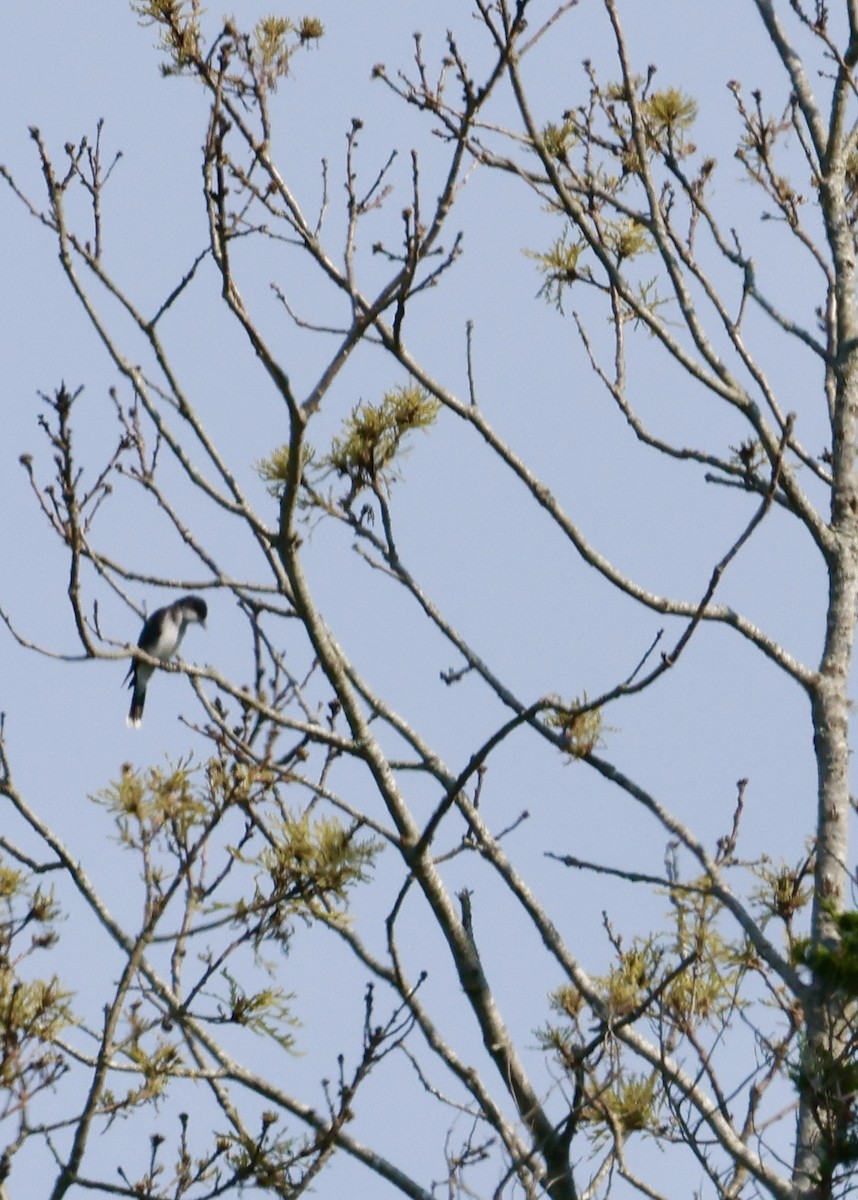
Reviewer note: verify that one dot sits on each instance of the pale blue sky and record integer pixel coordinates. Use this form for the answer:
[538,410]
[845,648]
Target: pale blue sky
[512,586]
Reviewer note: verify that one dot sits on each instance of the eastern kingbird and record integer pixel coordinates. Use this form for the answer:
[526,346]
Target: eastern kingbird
[161,637]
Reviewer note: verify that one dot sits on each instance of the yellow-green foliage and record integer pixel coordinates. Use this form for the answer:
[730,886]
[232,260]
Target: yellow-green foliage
[263,1159]
[147,802]
[559,266]
[581,730]
[305,871]
[275,471]
[702,992]
[33,1017]
[633,1103]
[627,239]
[309,861]
[11,882]
[265,1012]
[557,139]
[232,782]
[623,991]
[373,434]
[372,438]
[706,990]
[666,116]
[626,987]
[272,48]
[266,52]
[784,890]
[33,1012]
[629,1102]
[561,258]
[178,23]
[157,1068]
[568,1001]
[674,982]
[669,111]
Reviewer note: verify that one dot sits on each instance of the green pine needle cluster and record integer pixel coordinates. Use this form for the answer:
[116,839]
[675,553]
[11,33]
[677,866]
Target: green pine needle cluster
[266,53]
[151,802]
[366,452]
[835,963]
[668,112]
[307,869]
[373,434]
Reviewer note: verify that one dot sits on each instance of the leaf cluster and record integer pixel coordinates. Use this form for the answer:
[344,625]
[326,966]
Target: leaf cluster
[668,114]
[264,1012]
[34,1013]
[372,440]
[158,804]
[269,51]
[598,148]
[276,470]
[178,24]
[579,724]
[373,435]
[306,870]
[783,892]
[835,961]
[676,982]
[263,56]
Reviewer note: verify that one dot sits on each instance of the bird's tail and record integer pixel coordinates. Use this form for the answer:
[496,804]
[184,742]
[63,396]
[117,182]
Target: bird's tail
[135,713]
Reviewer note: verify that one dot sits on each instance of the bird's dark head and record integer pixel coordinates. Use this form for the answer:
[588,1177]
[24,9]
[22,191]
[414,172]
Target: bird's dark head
[195,608]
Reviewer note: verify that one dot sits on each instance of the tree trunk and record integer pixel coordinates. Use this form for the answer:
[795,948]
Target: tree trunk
[824,1111]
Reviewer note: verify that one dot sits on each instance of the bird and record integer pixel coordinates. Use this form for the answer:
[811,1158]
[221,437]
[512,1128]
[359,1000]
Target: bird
[160,637]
